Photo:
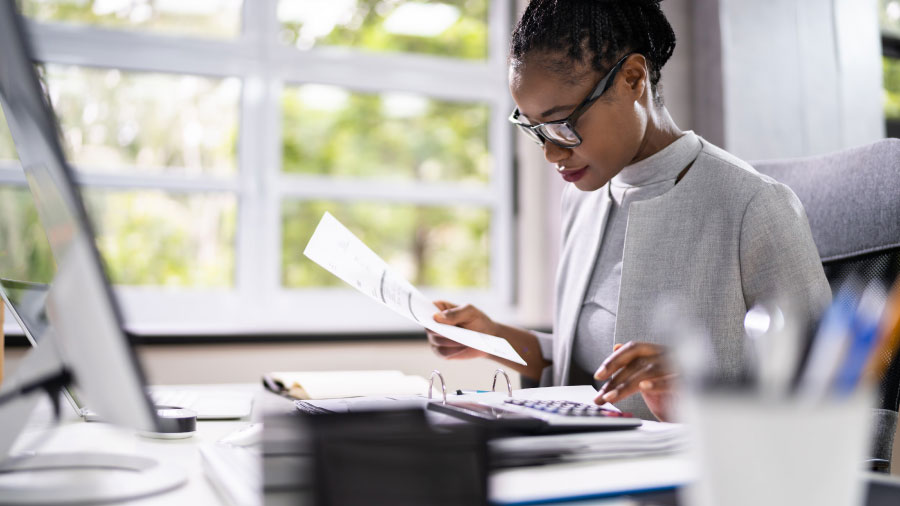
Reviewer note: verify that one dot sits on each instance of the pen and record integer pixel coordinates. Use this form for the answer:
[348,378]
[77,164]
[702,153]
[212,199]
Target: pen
[888,335]
[864,329]
[830,343]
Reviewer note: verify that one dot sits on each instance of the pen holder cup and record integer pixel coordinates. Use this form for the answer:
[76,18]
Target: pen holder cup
[2,339]
[751,451]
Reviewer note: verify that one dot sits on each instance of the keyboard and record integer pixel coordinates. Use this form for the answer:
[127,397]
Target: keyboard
[568,408]
[537,416]
[208,404]
[235,472]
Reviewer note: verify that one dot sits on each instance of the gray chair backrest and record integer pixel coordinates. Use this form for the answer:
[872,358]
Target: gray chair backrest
[852,200]
[852,197]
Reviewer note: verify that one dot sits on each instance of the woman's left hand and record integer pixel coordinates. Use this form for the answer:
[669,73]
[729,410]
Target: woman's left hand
[638,367]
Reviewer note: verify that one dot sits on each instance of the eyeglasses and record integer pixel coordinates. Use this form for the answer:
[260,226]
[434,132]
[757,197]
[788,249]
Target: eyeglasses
[562,131]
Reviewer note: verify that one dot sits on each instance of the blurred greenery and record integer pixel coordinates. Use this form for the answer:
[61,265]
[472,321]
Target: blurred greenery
[432,246]
[361,24]
[188,125]
[329,131]
[891,87]
[24,250]
[115,121]
[165,239]
[206,18]
[889,17]
[7,148]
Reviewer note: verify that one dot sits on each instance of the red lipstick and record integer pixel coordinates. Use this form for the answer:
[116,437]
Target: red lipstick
[575,175]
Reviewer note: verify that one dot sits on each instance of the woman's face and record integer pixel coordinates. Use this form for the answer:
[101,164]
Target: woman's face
[612,128]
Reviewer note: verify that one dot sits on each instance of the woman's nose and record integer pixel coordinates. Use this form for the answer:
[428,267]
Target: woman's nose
[555,154]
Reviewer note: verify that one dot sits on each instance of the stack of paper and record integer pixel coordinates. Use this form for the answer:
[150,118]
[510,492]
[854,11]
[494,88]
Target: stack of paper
[652,438]
[335,248]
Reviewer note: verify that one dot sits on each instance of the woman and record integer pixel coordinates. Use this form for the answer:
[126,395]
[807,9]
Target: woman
[649,209]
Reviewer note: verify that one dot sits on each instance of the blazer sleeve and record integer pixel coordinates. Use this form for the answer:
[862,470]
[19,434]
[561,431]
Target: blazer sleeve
[778,257]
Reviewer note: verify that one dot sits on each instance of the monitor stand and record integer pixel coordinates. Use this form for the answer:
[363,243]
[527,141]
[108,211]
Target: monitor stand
[66,478]
[84,478]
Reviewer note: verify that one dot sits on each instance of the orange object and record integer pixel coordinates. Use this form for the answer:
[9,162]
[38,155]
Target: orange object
[888,335]
[617,346]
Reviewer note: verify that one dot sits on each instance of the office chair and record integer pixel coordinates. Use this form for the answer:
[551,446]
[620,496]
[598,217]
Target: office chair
[852,200]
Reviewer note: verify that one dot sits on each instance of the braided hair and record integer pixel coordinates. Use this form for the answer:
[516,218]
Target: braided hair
[599,32]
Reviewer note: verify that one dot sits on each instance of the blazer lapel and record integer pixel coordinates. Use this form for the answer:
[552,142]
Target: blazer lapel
[578,259]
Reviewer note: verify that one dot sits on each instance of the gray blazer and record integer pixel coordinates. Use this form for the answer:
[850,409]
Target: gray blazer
[724,238]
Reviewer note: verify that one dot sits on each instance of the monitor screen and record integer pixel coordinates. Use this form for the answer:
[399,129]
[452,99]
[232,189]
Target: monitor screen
[26,264]
[80,306]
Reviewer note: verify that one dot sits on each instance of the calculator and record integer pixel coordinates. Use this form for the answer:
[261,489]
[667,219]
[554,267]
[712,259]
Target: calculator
[538,416]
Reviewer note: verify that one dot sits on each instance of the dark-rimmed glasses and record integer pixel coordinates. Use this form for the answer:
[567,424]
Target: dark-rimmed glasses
[562,131]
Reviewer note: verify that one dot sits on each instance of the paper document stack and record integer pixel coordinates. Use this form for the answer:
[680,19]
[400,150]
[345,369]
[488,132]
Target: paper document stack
[341,253]
[652,438]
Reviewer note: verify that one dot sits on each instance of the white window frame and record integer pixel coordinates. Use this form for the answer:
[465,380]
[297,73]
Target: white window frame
[258,304]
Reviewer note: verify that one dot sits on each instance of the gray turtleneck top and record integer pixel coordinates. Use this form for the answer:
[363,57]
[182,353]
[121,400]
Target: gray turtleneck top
[644,180]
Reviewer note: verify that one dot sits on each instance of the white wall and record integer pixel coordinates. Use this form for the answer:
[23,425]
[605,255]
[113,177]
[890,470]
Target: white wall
[246,363]
[808,83]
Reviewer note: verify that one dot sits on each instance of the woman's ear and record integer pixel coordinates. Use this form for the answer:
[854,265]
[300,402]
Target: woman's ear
[635,75]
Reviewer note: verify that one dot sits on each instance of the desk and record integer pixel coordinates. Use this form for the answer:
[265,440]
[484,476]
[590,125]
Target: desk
[75,435]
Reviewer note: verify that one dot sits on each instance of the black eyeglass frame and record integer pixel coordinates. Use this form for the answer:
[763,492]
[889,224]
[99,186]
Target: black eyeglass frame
[534,131]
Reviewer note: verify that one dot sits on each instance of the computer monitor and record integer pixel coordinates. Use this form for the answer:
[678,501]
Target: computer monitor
[80,305]
[84,337]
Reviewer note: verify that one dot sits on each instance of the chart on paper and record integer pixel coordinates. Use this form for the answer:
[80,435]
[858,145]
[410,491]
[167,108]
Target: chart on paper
[341,253]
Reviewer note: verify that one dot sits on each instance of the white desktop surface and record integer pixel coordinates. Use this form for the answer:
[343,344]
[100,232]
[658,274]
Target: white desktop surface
[75,435]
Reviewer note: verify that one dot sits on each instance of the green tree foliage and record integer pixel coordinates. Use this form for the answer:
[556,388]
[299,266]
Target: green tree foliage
[7,148]
[433,246]
[362,136]
[24,250]
[113,120]
[891,87]
[331,132]
[220,18]
[155,238]
[363,28]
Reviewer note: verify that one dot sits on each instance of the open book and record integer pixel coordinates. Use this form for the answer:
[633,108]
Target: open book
[315,385]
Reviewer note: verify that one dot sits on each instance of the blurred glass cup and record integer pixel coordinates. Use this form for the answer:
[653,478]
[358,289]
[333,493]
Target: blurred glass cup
[753,449]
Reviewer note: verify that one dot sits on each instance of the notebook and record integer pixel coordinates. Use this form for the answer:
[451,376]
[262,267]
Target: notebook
[315,385]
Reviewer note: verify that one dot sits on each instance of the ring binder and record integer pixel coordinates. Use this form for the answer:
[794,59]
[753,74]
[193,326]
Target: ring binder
[508,385]
[443,385]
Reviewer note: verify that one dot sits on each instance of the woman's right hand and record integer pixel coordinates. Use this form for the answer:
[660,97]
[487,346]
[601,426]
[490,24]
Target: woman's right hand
[467,317]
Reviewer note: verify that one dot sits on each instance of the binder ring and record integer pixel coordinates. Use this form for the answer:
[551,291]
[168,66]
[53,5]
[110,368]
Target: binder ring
[508,385]
[443,385]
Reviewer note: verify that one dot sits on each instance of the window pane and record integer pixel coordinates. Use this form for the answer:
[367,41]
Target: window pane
[117,121]
[331,131]
[157,238]
[892,88]
[7,148]
[454,28]
[24,250]
[889,17]
[446,247]
[205,18]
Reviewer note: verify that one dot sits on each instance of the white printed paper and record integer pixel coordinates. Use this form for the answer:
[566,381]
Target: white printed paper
[335,248]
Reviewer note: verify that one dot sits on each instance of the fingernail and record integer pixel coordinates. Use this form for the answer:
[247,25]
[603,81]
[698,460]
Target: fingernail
[645,385]
[609,396]
[600,372]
